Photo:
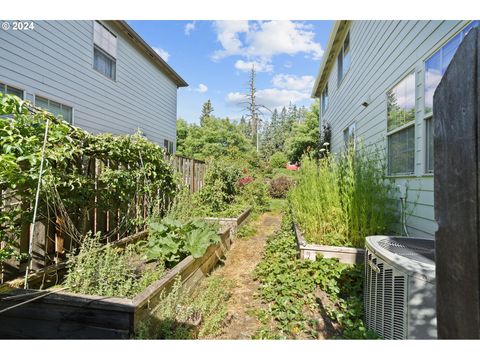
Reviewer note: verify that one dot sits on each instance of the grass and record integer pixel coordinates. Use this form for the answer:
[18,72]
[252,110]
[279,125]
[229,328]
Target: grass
[339,201]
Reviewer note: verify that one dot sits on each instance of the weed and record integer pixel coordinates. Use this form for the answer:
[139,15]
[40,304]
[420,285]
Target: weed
[189,314]
[340,201]
[107,271]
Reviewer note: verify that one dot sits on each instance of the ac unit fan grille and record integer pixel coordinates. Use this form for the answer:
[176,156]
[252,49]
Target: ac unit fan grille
[385,299]
[414,249]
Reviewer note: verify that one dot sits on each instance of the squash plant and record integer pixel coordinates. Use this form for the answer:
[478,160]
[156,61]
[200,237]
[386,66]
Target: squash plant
[172,240]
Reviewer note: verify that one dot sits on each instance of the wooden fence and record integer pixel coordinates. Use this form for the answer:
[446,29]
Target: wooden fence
[192,171]
[457,195]
[52,236]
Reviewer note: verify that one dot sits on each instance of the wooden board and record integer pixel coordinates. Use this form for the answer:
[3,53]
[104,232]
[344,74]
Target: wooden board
[346,255]
[456,109]
[64,315]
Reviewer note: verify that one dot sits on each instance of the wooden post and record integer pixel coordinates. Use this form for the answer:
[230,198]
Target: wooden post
[456,184]
[192,176]
[39,245]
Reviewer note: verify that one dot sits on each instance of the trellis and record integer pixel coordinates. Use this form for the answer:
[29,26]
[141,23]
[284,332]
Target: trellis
[56,231]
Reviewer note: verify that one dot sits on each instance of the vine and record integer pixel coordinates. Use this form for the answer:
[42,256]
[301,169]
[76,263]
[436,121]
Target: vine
[81,171]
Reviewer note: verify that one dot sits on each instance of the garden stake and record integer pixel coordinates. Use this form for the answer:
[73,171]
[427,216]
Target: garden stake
[32,225]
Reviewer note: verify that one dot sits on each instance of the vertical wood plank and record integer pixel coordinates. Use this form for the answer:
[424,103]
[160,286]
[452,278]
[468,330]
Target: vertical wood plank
[456,149]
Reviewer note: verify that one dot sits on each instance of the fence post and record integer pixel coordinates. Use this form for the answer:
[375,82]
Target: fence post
[457,156]
[192,176]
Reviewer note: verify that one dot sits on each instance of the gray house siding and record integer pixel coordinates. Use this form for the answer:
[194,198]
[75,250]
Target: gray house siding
[55,60]
[382,54]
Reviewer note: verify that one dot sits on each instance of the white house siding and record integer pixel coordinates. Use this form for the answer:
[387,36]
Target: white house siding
[382,54]
[55,60]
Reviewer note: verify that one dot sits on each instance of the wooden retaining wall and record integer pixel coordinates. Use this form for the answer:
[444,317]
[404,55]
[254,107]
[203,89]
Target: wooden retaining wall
[346,255]
[65,315]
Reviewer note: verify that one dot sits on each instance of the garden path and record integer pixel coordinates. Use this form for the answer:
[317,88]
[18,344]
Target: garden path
[241,261]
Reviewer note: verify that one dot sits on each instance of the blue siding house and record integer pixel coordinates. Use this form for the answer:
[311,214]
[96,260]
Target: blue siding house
[98,75]
[376,85]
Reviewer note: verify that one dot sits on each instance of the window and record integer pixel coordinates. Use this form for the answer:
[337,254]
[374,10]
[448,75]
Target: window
[437,64]
[7,89]
[344,59]
[429,145]
[168,146]
[349,136]
[103,63]
[435,67]
[55,108]
[104,50]
[400,127]
[325,99]
[401,152]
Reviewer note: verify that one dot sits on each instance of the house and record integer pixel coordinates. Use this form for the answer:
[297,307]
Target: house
[376,85]
[98,75]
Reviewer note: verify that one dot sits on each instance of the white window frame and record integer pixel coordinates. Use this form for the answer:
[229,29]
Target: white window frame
[403,127]
[341,59]
[428,116]
[61,102]
[105,52]
[5,83]
[169,142]
[325,96]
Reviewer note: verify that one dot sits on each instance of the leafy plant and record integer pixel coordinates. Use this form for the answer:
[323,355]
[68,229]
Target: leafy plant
[173,240]
[75,172]
[278,160]
[220,185]
[288,286]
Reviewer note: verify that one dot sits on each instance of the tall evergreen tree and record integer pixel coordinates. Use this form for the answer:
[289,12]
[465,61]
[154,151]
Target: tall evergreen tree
[207,110]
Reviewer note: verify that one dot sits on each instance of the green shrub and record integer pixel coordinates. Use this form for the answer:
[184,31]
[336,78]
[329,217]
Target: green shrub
[278,160]
[220,185]
[341,201]
[107,271]
[256,195]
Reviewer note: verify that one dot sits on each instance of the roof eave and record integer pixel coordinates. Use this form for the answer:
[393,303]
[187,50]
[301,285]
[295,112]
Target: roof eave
[329,56]
[162,64]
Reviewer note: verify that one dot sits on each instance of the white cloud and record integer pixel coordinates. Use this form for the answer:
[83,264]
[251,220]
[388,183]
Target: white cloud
[271,98]
[293,82]
[189,28]
[201,88]
[260,66]
[163,53]
[265,39]
[228,35]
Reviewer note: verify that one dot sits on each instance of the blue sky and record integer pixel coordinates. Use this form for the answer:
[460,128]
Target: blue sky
[214,57]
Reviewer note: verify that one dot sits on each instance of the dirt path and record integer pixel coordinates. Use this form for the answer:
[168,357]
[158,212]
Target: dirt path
[241,261]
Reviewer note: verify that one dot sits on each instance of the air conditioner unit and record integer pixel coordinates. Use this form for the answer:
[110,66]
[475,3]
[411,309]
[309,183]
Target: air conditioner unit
[399,296]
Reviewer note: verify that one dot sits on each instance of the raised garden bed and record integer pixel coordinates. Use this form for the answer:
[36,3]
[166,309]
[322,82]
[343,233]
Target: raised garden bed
[346,255]
[63,315]
[234,223]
